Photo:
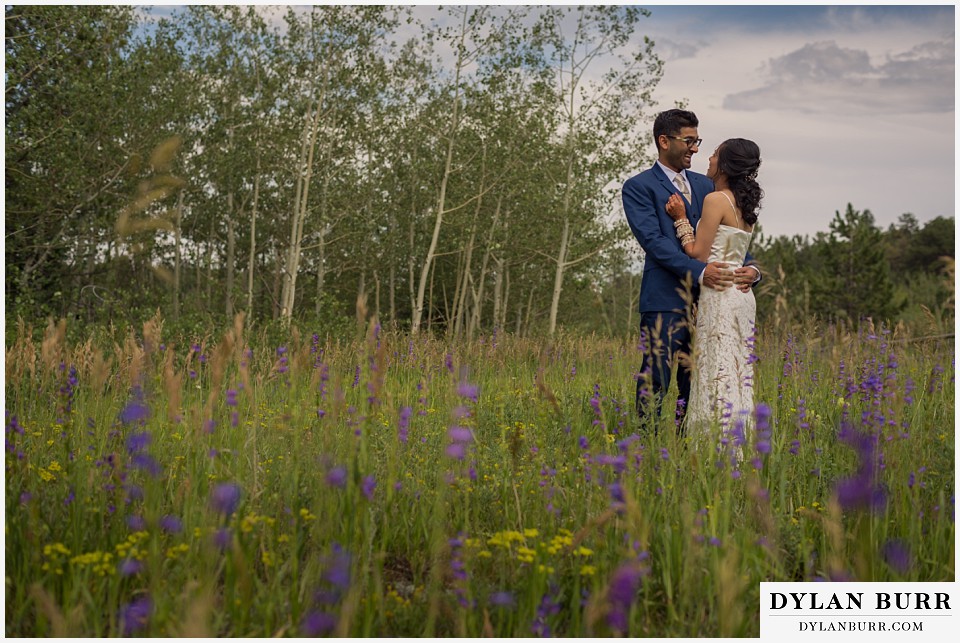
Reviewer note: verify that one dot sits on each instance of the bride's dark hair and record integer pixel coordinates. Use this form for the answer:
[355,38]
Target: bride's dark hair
[739,160]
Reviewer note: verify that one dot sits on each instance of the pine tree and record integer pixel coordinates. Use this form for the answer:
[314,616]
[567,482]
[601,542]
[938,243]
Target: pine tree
[854,279]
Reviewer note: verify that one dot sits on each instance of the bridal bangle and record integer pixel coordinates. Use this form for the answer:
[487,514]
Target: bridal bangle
[684,231]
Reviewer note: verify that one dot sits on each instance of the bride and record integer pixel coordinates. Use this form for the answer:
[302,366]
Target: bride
[722,380]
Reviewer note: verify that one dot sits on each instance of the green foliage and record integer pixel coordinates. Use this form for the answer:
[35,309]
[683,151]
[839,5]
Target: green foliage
[346,518]
[241,89]
[858,271]
[854,281]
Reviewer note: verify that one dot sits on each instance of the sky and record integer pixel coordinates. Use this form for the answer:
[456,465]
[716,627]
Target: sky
[849,104]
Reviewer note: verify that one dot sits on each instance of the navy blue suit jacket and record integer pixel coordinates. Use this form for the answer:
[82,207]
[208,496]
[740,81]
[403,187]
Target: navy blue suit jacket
[666,265]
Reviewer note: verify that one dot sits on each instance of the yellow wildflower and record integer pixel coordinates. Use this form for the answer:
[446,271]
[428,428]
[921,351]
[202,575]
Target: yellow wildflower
[174,552]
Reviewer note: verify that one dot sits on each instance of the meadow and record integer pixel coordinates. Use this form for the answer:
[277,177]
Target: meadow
[387,485]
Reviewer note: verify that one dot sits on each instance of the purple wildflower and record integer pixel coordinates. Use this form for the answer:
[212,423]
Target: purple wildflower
[860,492]
[337,477]
[136,523]
[225,497]
[135,411]
[502,599]
[222,538]
[367,486]
[548,607]
[147,463]
[171,524]
[896,553]
[135,615]
[466,390]
[460,434]
[337,568]
[404,424]
[621,593]
[138,442]
[318,623]
[616,493]
[130,567]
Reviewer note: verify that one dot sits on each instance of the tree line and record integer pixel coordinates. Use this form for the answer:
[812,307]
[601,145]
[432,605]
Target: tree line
[454,174]
[858,270]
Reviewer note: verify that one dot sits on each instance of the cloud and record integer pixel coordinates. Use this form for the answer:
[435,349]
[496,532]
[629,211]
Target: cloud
[824,77]
[669,49]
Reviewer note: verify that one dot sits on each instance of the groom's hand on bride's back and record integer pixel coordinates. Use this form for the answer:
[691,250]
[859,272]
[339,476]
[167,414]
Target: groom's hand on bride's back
[717,276]
[746,277]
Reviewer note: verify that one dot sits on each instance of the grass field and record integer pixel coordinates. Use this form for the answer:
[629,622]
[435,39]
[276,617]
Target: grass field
[393,486]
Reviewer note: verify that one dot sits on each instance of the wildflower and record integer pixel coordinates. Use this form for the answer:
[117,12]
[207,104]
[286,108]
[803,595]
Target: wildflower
[222,538]
[136,523]
[318,623]
[337,477]
[171,524]
[138,442]
[616,494]
[225,497]
[502,599]
[134,412]
[621,593]
[367,486]
[897,555]
[860,491]
[548,607]
[337,568]
[404,424]
[460,434]
[130,567]
[146,463]
[135,615]
[466,390]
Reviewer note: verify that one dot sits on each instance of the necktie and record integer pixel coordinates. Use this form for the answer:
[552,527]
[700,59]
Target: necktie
[682,186]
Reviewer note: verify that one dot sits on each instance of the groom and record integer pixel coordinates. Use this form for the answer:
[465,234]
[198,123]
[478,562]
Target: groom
[668,273]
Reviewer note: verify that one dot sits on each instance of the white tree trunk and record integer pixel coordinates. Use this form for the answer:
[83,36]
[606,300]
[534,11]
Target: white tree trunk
[304,176]
[426,269]
[558,275]
[177,257]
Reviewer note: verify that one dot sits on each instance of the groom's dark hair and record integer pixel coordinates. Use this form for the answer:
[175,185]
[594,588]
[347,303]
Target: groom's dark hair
[671,122]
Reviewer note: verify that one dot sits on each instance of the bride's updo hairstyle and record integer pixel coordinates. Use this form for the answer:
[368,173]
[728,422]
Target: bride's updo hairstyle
[739,159]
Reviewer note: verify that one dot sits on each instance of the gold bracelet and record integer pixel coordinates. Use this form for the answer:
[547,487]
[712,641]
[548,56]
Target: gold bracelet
[687,238]
[680,222]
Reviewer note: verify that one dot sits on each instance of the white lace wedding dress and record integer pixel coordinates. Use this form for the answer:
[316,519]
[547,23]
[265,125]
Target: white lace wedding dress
[721,387]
